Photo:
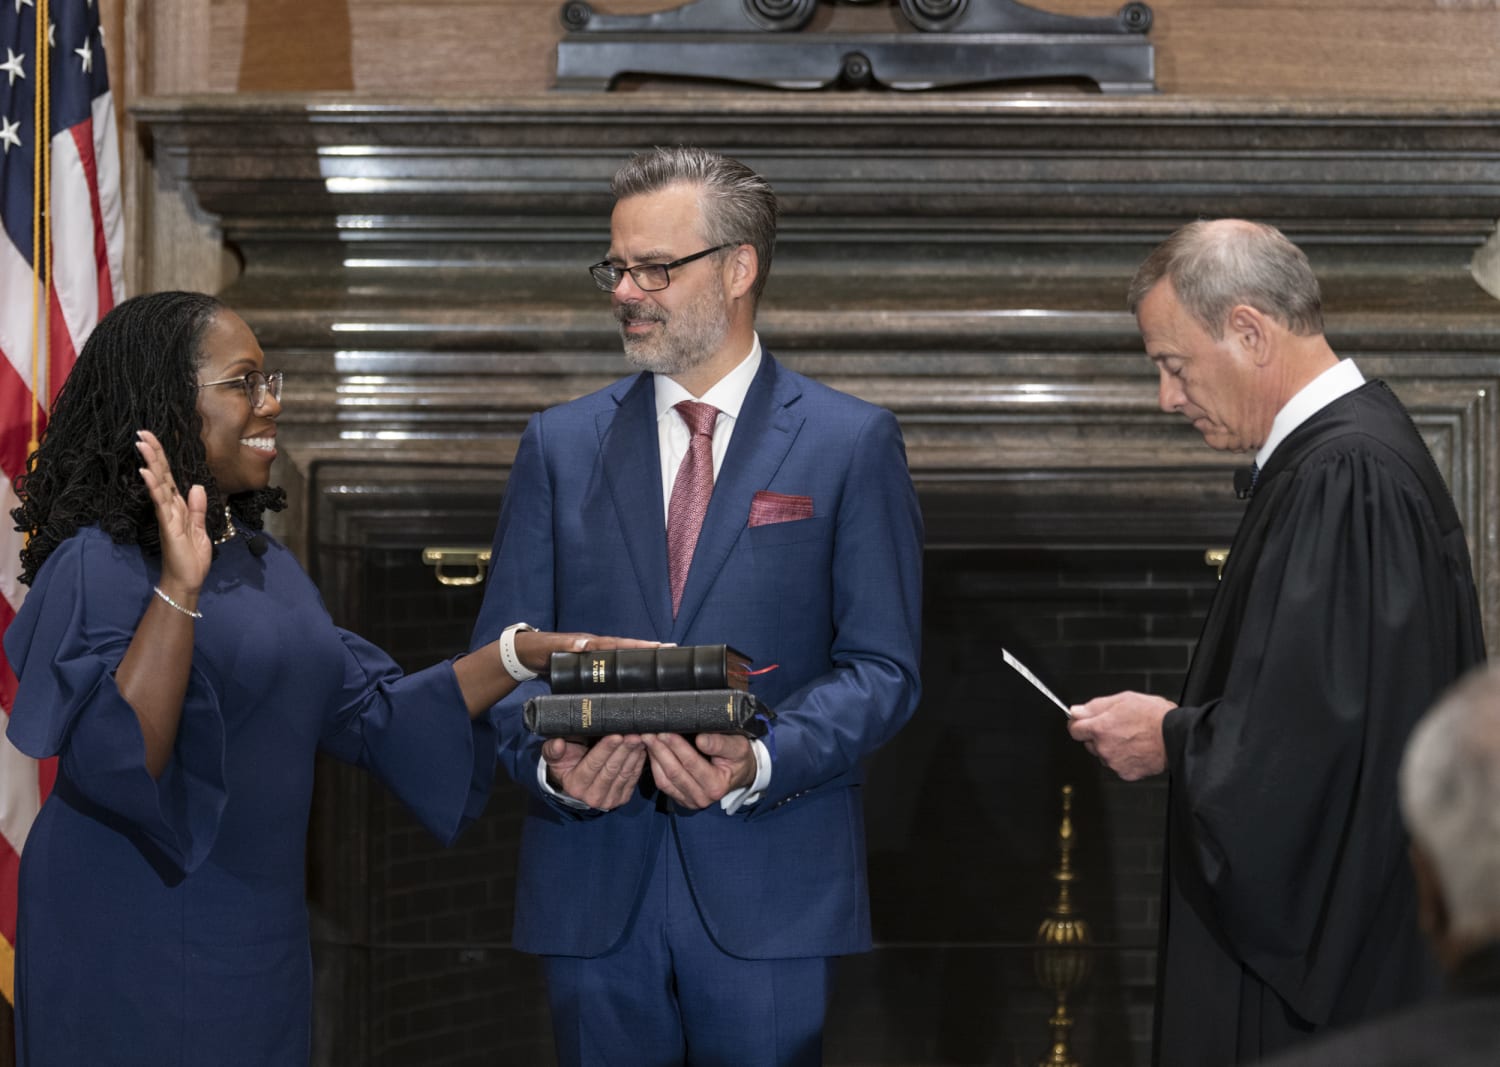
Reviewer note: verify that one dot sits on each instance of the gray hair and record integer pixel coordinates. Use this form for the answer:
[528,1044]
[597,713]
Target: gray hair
[1215,265]
[739,206]
[1450,798]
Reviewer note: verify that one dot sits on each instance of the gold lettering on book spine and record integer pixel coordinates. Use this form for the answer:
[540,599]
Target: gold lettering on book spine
[586,708]
[596,666]
[729,709]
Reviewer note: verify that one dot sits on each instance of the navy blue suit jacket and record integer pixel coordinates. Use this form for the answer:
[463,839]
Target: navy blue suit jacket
[834,600]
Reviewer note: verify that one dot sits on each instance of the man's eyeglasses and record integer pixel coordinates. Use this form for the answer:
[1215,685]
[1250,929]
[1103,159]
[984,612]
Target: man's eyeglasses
[648,277]
[257,386]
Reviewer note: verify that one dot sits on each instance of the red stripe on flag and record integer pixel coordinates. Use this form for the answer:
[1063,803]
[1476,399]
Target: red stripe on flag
[15,422]
[62,354]
[7,676]
[83,137]
[46,776]
[10,867]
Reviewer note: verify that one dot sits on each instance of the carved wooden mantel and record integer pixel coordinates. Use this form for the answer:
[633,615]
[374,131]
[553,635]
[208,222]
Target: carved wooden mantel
[418,269]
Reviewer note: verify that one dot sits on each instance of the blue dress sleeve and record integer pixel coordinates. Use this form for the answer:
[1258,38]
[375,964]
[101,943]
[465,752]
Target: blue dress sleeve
[64,646]
[413,732]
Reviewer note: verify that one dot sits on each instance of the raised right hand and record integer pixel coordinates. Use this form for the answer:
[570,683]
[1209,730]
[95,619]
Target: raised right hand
[186,550]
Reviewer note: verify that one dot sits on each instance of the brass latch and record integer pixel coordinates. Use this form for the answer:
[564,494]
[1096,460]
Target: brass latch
[1217,557]
[477,559]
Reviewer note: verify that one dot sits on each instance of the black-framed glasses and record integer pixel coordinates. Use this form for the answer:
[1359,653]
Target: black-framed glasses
[648,277]
[256,384]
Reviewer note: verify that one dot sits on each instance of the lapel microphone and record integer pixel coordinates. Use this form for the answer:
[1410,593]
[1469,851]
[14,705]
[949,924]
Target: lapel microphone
[254,540]
[1244,481]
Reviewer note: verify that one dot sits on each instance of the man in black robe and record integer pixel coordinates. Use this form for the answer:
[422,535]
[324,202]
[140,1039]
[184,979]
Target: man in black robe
[1450,795]
[1346,606]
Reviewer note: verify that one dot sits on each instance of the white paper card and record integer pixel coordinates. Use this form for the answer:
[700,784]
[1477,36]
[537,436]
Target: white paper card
[1020,668]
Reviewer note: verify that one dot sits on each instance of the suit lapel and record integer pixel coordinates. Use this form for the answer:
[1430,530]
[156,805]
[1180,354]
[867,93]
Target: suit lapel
[763,434]
[632,467]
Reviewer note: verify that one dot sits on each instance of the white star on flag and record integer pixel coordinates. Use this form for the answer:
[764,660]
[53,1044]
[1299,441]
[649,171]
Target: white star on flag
[12,66]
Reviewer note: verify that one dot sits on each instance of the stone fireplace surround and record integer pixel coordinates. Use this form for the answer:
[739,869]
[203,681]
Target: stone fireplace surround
[417,269]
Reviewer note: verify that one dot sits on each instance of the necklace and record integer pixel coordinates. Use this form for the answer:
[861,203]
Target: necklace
[229,530]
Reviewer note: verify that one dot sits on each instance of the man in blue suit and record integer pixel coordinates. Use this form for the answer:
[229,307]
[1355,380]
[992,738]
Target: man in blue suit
[689,895]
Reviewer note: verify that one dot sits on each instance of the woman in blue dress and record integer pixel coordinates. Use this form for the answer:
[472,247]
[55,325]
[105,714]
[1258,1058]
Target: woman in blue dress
[181,666]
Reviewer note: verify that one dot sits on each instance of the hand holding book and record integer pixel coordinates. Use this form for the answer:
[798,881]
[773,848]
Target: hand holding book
[602,775]
[700,771]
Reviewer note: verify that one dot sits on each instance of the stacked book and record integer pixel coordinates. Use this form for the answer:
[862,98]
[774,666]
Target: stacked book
[689,689]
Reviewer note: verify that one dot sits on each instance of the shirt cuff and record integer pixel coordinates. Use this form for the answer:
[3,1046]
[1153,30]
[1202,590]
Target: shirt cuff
[561,798]
[736,799]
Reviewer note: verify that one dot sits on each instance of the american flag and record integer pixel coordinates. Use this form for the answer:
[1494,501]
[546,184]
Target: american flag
[55,282]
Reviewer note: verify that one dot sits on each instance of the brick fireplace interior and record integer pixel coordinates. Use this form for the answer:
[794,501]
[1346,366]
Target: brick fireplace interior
[417,269]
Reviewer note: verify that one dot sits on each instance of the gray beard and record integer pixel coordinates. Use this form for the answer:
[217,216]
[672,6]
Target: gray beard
[687,340]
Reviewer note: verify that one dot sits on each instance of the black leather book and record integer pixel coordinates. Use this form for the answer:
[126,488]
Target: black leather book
[684,711]
[627,670]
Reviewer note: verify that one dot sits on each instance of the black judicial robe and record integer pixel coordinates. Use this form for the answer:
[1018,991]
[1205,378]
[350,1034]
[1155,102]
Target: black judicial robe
[1346,607]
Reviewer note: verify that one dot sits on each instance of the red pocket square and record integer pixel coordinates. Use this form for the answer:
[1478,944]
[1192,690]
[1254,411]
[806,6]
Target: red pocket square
[768,508]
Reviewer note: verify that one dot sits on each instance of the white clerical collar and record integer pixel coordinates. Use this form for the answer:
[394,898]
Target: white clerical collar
[727,394]
[1341,378]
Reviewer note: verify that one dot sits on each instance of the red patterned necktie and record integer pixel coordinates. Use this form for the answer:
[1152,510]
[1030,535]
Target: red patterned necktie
[690,493]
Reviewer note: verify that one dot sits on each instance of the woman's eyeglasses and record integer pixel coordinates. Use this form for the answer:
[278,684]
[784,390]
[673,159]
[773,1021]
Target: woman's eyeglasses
[256,384]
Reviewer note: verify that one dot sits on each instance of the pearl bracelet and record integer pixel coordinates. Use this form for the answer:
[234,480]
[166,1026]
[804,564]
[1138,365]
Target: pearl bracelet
[173,604]
[512,662]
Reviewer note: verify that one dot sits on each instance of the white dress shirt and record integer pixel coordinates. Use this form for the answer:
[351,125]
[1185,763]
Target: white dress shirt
[1338,380]
[672,436]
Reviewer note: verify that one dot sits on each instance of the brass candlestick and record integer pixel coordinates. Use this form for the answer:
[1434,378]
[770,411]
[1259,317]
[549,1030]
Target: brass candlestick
[1063,958]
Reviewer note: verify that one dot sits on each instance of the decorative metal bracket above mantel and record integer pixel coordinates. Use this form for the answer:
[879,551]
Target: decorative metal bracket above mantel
[950,43]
